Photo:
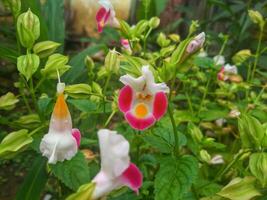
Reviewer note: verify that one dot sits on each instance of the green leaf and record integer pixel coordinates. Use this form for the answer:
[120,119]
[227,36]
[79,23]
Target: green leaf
[8,101]
[204,62]
[78,65]
[73,173]
[83,105]
[184,116]
[175,177]
[28,65]
[35,181]
[84,192]
[14,142]
[53,11]
[81,90]
[251,132]
[213,114]
[29,121]
[258,166]
[240,189]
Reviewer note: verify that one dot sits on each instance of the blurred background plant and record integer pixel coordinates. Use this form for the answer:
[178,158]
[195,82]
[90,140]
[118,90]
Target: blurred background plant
[205,109]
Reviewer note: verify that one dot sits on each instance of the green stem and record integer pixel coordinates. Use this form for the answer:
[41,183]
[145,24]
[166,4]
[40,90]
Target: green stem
[106,84]
[175,133]
[34,97]
[257,54]
[204,95]
[24,97]
[109,118]
[145,38]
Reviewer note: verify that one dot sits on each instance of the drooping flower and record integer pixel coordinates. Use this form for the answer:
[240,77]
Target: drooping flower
[142,101]
[116,169]
[226,71]
[61,142]
[196,43]
[126,45]
[106,14]
[217,159]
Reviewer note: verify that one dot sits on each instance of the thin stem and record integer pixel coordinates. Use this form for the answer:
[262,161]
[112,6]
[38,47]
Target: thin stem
[107,82]
[109,118]
[175,133]
[24,97]
[204,95]
[257,54]
[145,39]
[33,96]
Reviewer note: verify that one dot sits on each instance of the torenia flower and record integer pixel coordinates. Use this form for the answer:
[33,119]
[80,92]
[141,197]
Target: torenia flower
[106,14]
[196,43]
[142,101]
[227,70]
[61,142]
[116,169]
[126,45]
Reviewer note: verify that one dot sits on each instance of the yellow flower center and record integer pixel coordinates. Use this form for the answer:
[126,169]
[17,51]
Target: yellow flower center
[141,110]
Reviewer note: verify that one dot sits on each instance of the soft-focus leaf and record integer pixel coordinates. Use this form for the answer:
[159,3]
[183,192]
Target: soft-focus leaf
[35,181]
[73,173]
[175,177]
[84,192]
[8,101]
[83,105]
[258,167]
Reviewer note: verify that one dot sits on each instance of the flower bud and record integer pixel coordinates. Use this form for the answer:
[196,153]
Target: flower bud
[28,28]
[8,101]
[196,43]
[45,48]
[15,7]
[78,90]
[28,65]
[205,156]
[154,22]
[193,27]
[175,37]
[89,63]
[241,56]
[162,40]
[112,61]
[256,17]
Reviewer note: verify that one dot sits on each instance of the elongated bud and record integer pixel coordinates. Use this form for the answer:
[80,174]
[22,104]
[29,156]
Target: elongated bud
[28,64]
[112,61]
[154,22]
[15,7]
[205,156]
[193,27]
[241,56]
[45,48]
[28,28]
[256,17]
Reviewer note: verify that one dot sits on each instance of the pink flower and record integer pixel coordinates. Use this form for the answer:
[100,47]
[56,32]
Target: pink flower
[106,14]
[116,169]
[225,71]
[61,142]
[142,101]
[126,45]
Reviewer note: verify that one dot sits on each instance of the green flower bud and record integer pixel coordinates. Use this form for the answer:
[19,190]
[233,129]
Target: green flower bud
[154,22]
[112,61]
[175,37]
[55,62]
[256,18]
[78,90]
[28,28]
[15,6]
[89,63]
[241,56]
[258,167]
[162,40]
[195,132]
[205,156]
[29,121]
[193,27]
[28,65]
[45,48]
[8,101]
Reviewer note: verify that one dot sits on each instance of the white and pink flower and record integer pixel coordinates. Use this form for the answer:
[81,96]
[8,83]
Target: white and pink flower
[61,142]
[106,14]
[226,71]
[142,101]
[126,45]
[116,169]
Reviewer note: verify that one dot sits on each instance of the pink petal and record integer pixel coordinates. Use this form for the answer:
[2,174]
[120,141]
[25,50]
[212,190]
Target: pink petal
[101,13]
[160,105]
[220,75]
[132,177]
[139,124]
[125,98]
[77,135]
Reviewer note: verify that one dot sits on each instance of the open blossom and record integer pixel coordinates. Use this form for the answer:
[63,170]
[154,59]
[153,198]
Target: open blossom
[106,14]
[61,142]
[116,169]
[196,43]
[142,101]
[227,70]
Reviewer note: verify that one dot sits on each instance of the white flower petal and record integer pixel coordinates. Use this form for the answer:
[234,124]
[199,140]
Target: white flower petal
[232,69]
[136,83]
[58,146]
[219,60]
[217,159]
[114,150]
[106,4]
